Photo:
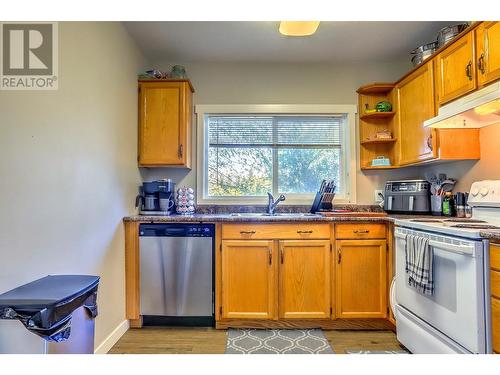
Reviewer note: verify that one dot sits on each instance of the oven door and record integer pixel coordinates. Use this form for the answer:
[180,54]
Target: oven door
[457,308]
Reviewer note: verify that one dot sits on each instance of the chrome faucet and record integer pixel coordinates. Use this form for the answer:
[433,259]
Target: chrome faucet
[271,207]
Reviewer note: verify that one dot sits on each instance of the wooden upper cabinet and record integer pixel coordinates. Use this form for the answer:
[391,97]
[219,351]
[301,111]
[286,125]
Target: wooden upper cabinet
[165,118]
[304,275]
[456,69]
[248,280]
[488,52]
[415,95]
[361,279]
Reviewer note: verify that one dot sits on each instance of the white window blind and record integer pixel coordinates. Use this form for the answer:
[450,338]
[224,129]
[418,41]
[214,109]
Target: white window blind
[275,131]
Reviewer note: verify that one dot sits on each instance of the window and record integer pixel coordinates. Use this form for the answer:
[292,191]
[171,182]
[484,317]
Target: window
[246,154]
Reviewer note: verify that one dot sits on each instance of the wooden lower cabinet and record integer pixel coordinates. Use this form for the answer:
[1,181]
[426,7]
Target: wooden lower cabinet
[495,316]
[248,280]
[304,279]
[361,279]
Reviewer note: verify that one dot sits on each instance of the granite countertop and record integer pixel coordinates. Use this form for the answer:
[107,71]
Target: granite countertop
[253,219]
[493,235]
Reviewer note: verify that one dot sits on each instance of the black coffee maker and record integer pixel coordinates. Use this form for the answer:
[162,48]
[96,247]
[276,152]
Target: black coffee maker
[156,198]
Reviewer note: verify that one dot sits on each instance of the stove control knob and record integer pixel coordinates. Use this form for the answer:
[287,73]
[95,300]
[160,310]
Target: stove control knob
[475,191]
[484,191]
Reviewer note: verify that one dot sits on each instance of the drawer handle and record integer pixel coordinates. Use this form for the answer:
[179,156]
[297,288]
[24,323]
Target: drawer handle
[468,70]
[270,256]
[361,231]
[247,232]
[304,231]
[480,64]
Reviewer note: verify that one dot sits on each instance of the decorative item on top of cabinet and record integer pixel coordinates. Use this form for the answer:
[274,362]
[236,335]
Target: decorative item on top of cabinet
[165,118]
[455,69]
[372,122]
[488,52]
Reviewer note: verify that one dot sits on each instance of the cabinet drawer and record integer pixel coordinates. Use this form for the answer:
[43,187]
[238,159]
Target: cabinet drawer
[495,283]
[275,231]
[495,317]
[495,257]
[357,231]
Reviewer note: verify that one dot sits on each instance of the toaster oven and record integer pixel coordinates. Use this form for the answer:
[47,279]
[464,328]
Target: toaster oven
[407,197]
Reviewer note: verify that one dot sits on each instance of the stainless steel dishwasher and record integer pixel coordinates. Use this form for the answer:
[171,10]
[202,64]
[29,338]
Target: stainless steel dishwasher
[177,278]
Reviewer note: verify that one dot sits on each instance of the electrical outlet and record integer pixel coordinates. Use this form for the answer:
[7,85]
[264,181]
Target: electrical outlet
[377,197]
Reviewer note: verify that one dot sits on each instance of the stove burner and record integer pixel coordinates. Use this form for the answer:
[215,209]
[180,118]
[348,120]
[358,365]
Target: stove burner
[475,226]
[426,220]
[463,221]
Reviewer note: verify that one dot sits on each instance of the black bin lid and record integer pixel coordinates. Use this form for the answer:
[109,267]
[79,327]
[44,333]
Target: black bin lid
[48,291]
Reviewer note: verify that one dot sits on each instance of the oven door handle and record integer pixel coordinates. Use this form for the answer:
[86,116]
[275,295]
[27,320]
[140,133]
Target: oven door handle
[399,235]
[459,249]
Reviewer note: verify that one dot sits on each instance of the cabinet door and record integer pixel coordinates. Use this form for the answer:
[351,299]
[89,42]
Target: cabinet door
[164,123]
[456,70]
[488,52]
[248,280]
[304,276]
[495,319]
[361,279]
[415,95]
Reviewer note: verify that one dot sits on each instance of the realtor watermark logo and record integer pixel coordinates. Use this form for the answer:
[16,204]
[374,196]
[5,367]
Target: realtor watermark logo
[28,56]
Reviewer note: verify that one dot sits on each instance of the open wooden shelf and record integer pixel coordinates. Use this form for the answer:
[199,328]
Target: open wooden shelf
[368,167]
[370,141]
[376,88]
[375,115]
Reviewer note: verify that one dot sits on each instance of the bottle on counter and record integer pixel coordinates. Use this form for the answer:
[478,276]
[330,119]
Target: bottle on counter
[460,204]
[468,209]
[448,205]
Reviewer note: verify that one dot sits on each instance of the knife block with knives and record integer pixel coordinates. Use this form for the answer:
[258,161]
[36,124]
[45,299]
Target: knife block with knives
[323,201]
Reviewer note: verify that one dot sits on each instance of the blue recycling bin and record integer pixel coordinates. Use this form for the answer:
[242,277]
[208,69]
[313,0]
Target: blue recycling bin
[54,314]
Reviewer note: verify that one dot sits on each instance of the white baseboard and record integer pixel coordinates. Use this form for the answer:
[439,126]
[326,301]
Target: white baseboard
[113,338]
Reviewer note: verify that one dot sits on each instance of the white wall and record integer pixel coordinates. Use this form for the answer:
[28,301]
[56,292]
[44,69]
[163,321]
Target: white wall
[68,167]
[253,83]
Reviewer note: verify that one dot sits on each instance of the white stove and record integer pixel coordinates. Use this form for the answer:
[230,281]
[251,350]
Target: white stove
[457,317]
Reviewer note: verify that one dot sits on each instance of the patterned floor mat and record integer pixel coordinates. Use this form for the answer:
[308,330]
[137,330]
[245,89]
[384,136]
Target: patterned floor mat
[277,341]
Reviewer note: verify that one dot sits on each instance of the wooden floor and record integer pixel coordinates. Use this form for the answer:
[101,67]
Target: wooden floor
[167,340]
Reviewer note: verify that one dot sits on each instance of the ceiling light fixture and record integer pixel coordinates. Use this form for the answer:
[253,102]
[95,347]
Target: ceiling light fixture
[298,28]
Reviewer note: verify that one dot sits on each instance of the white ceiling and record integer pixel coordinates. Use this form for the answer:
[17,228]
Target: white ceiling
[339,42]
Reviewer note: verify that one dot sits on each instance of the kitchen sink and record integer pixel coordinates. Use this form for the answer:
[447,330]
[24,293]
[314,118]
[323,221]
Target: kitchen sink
[264,214]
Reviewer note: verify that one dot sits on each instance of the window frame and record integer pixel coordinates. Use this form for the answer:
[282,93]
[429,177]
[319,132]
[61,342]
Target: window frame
[348,142]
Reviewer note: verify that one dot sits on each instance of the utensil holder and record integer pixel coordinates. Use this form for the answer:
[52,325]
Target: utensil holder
[322,202]
[437,205]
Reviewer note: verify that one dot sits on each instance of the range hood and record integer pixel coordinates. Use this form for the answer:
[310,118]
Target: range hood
[481,108]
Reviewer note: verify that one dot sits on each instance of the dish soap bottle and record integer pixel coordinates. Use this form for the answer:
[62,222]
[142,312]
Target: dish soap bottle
[448,205]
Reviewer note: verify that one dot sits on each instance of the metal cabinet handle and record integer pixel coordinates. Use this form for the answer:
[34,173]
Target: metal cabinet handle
[468,70]
[179,151]
[247,232]
[282,255]
[429,142]
[270,256]
[480,64]
[339,259]
[361,231]
[304,231]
